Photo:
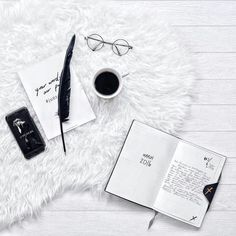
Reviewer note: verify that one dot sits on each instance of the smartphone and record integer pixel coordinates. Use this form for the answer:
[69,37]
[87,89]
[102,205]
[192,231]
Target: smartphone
[25,132]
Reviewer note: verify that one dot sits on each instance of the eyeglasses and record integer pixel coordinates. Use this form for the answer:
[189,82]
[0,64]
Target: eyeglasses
[120,47]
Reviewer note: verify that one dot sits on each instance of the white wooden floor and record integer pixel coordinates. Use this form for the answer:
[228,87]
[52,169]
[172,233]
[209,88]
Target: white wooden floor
[209,29]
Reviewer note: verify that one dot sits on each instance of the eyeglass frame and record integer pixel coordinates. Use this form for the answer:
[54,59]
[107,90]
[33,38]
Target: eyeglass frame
[108,43]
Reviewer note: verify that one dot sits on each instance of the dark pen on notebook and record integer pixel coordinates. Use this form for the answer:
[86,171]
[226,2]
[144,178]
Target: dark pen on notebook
[65,89]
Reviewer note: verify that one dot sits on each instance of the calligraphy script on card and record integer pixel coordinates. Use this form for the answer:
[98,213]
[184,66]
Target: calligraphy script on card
[49,88]
[41,82]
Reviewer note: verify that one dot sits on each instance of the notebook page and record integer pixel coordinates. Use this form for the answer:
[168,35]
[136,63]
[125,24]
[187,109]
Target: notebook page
[142,164]
[181,193]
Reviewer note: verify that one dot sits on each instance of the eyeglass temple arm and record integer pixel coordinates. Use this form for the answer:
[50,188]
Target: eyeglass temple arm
[97,46]
[102,41]
[123,45]
[118,50]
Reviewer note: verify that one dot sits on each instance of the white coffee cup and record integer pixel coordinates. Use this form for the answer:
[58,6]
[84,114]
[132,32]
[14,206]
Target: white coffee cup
[118,90]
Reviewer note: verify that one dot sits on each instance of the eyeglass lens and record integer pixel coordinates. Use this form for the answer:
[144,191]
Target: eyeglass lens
[95,42]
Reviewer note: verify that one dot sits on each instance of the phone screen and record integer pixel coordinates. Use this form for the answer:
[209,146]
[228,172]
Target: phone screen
[25,132]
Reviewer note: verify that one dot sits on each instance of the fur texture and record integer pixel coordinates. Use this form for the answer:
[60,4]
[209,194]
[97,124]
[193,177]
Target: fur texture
[157,92]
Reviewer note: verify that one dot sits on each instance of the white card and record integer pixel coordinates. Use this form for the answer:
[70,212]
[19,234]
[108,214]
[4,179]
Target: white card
[41,82]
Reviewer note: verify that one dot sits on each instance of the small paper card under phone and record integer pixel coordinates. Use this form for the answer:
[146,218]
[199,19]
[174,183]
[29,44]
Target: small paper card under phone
[167,174]
[41,83]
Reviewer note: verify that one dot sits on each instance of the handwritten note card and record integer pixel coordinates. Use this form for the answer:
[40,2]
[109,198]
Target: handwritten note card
[41,82]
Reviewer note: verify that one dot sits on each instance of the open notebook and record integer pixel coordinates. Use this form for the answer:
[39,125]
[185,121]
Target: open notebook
[163,172]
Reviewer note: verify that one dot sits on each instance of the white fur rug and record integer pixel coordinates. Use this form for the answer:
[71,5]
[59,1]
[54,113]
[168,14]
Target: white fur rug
[156,92]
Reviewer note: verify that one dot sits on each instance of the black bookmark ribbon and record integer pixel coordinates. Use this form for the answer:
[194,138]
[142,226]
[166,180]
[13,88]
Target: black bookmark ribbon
[152,220]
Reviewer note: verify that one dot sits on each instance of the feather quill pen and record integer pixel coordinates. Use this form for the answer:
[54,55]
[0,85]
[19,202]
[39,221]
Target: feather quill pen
[65,89]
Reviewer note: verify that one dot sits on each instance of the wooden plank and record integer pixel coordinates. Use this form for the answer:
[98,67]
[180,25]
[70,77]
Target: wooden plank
[215,65]
[222,142]
[190,12]
[208,39]
[215,92]
[122,224]
[198,39]
[211,118]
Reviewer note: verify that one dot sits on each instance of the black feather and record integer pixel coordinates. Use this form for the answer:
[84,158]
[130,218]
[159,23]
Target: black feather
[64,90]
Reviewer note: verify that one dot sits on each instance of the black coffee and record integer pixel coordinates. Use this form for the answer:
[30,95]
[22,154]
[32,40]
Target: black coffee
[107,83]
